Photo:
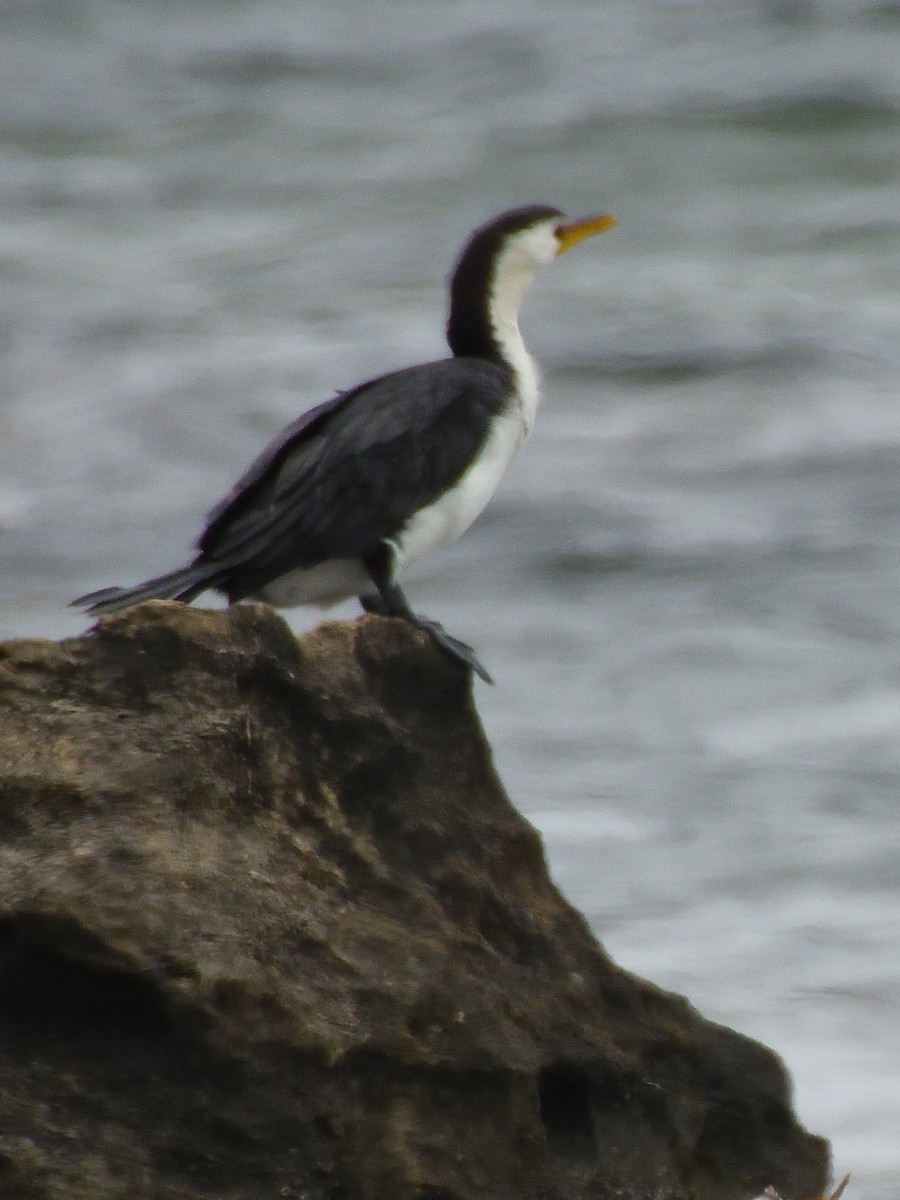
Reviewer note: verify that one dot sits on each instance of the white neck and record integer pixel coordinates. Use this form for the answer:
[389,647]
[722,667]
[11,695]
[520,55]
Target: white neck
[513,274]
[526,375]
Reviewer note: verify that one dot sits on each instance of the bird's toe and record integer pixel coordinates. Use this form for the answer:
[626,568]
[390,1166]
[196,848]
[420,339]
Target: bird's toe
[457,649]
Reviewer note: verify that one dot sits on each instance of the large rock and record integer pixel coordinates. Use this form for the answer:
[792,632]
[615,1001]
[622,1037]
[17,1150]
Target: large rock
[269,927]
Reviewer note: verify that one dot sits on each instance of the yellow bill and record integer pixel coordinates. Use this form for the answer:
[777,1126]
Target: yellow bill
[571,232]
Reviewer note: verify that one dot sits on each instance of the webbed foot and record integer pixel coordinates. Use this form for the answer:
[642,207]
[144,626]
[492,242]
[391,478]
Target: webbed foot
[461,651]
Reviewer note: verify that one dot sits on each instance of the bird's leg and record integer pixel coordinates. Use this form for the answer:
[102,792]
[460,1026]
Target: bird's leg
[396,605]
[373,603]
[391,602]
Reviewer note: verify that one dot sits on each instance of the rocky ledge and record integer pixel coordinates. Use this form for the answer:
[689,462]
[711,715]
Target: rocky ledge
[270,927]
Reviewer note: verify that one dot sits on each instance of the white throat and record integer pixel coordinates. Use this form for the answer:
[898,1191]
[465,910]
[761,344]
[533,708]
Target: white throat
[514,273]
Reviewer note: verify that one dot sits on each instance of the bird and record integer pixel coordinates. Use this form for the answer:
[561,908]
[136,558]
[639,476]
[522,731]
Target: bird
[361,485]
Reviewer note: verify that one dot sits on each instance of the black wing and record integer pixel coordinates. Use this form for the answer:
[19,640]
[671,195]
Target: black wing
[302,429]
[352,471]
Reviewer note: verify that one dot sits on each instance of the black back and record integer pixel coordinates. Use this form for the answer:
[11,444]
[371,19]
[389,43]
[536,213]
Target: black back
[352,471]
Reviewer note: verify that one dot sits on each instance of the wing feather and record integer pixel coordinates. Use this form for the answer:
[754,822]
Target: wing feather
[352,471]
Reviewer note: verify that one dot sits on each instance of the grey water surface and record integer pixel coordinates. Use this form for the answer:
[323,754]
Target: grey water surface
[213,214]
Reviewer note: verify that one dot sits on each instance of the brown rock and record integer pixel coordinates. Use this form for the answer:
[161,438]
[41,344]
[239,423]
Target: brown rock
[269,927]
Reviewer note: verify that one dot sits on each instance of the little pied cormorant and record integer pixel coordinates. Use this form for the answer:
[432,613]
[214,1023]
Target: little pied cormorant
[372,479]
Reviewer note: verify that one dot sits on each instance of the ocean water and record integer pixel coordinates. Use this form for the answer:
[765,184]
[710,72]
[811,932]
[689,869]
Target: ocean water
[688,589]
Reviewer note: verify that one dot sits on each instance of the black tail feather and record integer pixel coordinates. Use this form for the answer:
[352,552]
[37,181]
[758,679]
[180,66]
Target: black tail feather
[183,584]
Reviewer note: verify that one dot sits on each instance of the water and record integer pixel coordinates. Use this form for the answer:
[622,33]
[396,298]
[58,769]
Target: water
[212,215]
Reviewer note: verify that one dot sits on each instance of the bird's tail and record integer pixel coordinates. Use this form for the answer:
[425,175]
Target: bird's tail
[183,584]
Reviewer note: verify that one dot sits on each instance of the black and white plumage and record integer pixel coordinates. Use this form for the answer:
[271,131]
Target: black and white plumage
[362,485]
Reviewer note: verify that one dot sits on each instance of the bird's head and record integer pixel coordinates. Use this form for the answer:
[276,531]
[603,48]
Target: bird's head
[501,259]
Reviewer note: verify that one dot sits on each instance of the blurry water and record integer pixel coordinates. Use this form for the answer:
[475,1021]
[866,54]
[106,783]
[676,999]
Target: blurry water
[212,215]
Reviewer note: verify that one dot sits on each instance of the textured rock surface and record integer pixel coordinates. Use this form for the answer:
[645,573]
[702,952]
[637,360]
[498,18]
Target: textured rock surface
[269,927]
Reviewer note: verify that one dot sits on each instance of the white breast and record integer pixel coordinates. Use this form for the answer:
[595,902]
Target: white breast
[453,512]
